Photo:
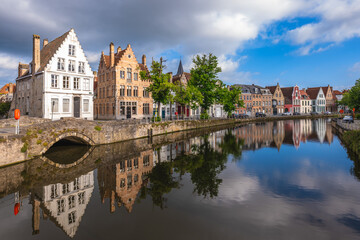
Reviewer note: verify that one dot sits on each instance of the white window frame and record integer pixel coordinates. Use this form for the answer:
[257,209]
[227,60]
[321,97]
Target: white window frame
[54,81]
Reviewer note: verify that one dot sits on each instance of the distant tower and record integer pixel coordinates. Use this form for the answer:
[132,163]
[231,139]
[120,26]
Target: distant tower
[180,69]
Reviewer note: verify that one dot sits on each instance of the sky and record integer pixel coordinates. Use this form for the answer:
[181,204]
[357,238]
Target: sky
[304,42]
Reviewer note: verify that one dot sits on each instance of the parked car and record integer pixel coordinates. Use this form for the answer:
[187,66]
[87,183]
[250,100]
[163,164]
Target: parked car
[260,114]
[296,113]
[286,114]
[327,113]
[244,115]
[314,113]
[348,119]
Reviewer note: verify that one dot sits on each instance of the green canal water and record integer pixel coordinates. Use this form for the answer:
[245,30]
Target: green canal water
[275,180]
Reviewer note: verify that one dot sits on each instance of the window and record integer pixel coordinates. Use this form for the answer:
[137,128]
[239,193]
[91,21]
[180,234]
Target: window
[129,165]
[71,50]
[146,108]
[136,178]
[135,91]
[76,83]
[54,191]
[136,76]
[71,66]
[61,64]
[81,67]
[71,200]
[86,84]
[71,217]
[133,108]
[122,90]
[86,105]
[122,74]
[129,74]
[81,198]
[66,82]
[66,188]
[122,166]
[54,80]
[76,184]
[128,92]
[129,181]
[122,108]
[145,93]
[66,104]
[122,183]
[55,105]
[60,206]
[136,163]
[146,160]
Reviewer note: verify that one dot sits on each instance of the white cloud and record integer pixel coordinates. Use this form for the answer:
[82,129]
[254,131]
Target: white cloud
[355,67]
[8,61]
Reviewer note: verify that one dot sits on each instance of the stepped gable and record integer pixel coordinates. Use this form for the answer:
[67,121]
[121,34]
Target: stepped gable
[50,49]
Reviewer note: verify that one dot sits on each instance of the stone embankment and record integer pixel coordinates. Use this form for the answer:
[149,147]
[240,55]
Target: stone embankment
[36,139]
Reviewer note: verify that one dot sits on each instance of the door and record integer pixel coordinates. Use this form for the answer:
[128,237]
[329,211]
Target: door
[128,112]
[77,107]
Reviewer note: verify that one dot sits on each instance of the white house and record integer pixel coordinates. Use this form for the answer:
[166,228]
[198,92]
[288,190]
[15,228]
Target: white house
[57,83]
[318,100]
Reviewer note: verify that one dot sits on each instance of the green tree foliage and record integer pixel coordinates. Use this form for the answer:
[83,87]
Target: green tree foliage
[160,86]
[4,108]
[187,95]
[230,98]
[352,98]
[204,77]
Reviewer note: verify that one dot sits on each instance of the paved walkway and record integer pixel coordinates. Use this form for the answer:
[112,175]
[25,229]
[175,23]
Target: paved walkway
[349,126]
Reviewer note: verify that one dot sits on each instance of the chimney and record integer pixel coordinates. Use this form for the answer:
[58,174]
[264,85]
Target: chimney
[22,68]
[45,42]
[112,57]
[144,60]
[118,49]
[36,54]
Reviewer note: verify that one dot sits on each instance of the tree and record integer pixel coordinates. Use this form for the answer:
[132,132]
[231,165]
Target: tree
[4,108]
[230,99]
[187,95]
[160,87]
[352,98]
[204,77]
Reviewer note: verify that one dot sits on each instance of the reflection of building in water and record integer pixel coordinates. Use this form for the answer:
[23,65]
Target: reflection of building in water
[274,134]
[121,182]
[64,204]
[257,135]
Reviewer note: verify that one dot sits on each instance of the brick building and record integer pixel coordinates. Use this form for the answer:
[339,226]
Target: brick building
[121,93]
[277,99]
[292,99]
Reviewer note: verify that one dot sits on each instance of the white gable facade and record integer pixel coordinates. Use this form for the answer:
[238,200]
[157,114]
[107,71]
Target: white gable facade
[320,103]
[69,82]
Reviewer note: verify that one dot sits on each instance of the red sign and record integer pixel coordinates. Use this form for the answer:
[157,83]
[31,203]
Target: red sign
[353,109]
[176,113]
[341,111]
[17,114]
[16,209]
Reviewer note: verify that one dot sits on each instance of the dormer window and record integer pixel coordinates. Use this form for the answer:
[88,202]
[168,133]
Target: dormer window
[61,64]
[71,50]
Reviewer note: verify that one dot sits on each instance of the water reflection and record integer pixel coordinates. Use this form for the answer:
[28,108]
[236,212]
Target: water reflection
[138,171]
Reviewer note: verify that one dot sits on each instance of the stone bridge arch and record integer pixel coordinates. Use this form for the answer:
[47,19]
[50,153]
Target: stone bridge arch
[75,137]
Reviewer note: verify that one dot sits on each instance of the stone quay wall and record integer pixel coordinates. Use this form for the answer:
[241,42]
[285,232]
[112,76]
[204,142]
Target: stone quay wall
[36,139]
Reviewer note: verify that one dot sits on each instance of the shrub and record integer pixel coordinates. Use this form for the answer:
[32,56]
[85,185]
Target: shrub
[352,140]
[357,116]
[204,115]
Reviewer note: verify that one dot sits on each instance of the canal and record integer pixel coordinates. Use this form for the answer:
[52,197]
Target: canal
[274,180]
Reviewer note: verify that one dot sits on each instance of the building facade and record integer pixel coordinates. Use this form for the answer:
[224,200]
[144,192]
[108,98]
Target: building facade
[277,99]
[318,100]
[57,83]
[7,92]
[292,99]
[305,102]
[121,93]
